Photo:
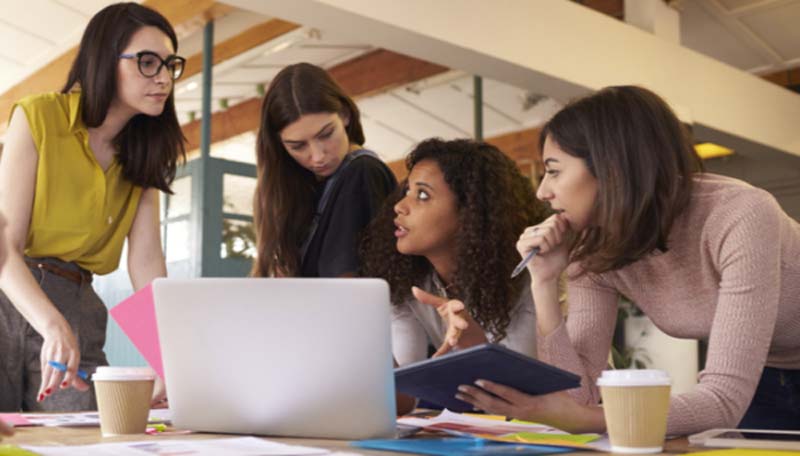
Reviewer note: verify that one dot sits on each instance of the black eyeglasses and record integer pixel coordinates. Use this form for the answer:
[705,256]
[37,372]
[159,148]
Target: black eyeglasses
[150,63]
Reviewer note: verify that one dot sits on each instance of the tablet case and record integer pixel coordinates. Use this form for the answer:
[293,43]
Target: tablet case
[436,380]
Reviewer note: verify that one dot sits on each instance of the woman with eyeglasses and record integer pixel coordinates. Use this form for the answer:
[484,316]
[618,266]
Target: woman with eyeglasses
[81,173]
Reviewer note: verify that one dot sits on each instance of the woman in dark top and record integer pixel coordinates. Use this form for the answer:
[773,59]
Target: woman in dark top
[318,188]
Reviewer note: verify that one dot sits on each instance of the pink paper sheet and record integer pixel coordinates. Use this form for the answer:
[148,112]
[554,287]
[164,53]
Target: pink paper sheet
[137,318]
[15,419]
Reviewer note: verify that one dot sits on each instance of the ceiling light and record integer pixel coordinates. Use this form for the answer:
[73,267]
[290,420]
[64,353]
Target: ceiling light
[186,88]
[282,46]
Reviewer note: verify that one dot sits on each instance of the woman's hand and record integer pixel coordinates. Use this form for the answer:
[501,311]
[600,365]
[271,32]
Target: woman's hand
[552,238]
[59,345]
[462,330]
[5,429]
[159,399]
[558,409]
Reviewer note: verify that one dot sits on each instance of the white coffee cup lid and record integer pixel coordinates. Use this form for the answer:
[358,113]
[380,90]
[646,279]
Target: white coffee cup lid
[111,373]
[634,377]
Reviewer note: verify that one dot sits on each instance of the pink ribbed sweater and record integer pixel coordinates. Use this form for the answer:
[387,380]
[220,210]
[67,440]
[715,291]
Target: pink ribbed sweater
[731,276]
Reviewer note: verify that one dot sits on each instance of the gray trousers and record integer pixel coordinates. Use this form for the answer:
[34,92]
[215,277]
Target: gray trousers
[21,345]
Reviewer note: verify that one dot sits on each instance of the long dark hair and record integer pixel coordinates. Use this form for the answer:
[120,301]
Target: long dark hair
[495,204]
[284,200]
[148,147]
[643,159]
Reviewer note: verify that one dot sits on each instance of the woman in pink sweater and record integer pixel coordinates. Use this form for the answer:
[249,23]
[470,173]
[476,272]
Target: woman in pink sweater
[704,256]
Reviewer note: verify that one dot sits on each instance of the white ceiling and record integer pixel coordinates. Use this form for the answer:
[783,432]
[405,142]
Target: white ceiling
[34,32]
[754,35]
[759,36]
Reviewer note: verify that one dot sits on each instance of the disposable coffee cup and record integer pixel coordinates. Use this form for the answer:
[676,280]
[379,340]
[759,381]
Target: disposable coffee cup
[123,399]
[635,405]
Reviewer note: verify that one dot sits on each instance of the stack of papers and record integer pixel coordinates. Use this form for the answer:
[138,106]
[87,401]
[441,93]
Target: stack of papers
[79,419]
[498,430]
[242,446]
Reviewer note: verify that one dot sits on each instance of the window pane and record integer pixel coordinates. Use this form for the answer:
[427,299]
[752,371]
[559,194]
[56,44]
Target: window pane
[181,202]
[178,241]
[241,148]
[237,194]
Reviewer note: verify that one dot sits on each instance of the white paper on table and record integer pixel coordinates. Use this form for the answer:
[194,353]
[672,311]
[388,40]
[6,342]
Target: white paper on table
[86,419]
[469,425]
[487,426]
[241,446]
[81,419]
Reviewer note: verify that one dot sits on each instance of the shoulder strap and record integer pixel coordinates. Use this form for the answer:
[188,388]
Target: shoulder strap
[326,196]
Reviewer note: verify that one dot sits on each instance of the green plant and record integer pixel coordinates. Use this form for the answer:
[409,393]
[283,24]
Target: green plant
[238,238]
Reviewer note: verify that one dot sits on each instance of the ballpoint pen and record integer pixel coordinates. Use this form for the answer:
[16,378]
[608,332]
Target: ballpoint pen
[524,262]
[63,368]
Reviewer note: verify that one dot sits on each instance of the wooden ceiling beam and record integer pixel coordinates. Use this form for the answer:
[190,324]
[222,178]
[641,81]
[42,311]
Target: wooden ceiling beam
[374,72]
[521,146]
[789,79]
[250,38]
[613,8]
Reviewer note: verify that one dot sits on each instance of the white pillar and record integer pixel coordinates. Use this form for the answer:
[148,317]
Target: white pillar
[656,17]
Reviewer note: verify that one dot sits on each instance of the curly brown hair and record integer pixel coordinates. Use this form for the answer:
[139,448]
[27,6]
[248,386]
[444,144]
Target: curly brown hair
[495,204]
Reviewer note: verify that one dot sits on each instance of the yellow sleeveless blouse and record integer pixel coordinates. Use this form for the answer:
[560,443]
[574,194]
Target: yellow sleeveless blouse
[80,213]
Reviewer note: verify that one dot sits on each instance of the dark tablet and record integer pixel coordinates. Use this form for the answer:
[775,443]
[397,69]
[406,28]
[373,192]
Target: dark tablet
[437,379]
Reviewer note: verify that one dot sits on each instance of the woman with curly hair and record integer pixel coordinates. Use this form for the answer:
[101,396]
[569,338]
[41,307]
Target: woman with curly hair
[451,231]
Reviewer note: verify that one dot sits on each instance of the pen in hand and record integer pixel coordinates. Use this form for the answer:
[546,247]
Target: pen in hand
[521,266]
[63,368]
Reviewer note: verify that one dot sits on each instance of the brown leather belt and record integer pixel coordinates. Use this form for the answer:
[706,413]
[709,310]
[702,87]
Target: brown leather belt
[81,276]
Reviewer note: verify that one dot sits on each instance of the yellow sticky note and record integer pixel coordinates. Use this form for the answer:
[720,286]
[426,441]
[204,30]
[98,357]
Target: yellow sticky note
[13,450]
[486,417]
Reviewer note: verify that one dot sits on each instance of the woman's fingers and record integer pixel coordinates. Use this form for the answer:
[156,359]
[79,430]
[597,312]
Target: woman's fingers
[50,375]
[507,393]
[546,236]
[428,298]
[482,400]
[445,348]
[6,429]
[80,385]
[61,348]
[71,375]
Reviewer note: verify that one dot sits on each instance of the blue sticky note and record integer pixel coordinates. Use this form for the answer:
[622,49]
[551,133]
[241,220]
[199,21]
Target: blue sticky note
[455,446]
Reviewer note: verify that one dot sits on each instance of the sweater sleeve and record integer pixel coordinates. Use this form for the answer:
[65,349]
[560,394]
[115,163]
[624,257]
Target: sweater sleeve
[581,344]
[521,332]
[409,339]
[744,245]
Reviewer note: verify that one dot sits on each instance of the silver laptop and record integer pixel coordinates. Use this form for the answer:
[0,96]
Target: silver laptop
[282,357]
